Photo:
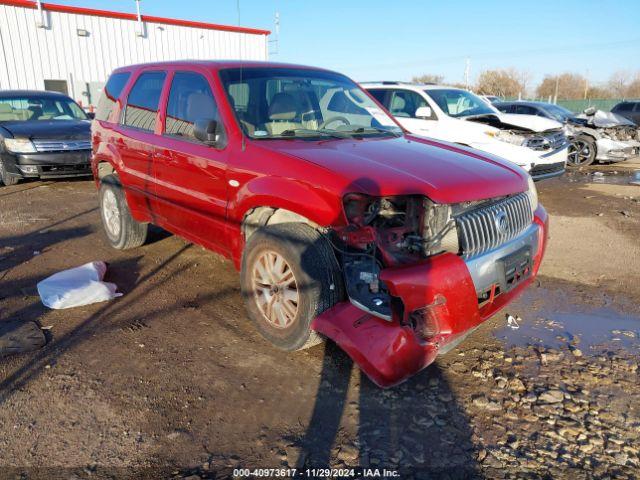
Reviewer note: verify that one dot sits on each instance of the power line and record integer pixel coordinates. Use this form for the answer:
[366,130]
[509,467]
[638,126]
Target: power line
[509,53]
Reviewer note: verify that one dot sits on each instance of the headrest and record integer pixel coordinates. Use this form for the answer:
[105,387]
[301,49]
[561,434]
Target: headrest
[200,106]
[397,104]
[283,107]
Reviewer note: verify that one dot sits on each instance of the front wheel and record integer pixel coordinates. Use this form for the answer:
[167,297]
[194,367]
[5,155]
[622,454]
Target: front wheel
[582,151]
[289,276]
[122,231]
[5,178]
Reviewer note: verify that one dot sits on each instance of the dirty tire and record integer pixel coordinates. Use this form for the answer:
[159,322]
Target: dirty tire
[122,231]
[317,279]
[582,151]
[5,178]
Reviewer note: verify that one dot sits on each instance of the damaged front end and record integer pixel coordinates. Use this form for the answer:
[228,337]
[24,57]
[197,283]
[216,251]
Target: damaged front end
[616,138]
[420,276]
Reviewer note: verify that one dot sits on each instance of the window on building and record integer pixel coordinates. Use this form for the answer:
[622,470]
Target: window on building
[190,99]
[143,101]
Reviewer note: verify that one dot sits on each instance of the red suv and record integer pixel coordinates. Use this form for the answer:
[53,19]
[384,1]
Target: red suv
[341,224]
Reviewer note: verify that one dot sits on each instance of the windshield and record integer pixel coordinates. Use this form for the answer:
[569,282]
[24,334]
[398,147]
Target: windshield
[37,109]
[459,103]
[559,113]
[291,102]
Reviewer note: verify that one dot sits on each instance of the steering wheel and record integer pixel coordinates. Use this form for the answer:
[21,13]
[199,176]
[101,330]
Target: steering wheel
[334,119]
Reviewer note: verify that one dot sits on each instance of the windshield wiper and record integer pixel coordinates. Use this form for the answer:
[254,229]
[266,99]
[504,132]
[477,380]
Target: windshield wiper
[310,132]
[373,129]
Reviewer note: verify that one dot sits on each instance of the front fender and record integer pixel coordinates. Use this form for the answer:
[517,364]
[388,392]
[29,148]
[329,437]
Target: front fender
[310,201]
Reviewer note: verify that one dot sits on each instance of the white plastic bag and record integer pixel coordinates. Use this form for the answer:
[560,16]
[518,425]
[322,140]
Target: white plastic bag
[77,286]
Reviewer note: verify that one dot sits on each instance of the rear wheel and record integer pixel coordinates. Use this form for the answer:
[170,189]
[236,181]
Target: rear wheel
[5,178]
[122,231]
[582,151]
[289,276]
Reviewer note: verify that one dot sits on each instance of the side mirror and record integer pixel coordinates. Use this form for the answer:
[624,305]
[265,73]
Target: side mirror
[91,115]
[206,130]
[589,110]
[423,112]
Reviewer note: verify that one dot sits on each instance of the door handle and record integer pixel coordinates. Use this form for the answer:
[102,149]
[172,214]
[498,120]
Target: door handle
[164,157]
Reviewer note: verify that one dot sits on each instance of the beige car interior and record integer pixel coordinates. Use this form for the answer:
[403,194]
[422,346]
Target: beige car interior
[8,113]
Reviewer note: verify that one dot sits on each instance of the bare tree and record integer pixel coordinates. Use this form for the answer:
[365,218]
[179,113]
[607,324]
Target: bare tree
[569,86]
[429,78]
[503,83]
[633,89]
[619,82]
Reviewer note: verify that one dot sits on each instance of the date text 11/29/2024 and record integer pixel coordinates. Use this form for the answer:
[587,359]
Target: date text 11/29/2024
[306,473]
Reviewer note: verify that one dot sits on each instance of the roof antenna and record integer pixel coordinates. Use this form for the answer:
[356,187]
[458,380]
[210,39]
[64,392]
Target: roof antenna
[240,37]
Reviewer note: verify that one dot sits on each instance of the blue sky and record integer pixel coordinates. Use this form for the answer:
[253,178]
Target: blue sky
[375,39]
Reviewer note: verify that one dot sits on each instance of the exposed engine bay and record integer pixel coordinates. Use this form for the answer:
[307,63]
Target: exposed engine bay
[522,136]
[388,232]
[616,137]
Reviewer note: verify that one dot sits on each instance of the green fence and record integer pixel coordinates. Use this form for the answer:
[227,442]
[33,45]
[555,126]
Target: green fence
[578,106]
[605,104]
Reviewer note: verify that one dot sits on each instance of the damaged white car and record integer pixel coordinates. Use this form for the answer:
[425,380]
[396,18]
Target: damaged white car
[594,134]
[604,136]
[538,145]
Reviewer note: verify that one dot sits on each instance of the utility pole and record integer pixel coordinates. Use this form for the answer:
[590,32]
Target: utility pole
[276,41]
[467,69]
[586,84]
[140,27]
[555,96]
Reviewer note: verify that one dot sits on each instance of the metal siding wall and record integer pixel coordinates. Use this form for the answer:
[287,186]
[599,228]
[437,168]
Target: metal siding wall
[30,54]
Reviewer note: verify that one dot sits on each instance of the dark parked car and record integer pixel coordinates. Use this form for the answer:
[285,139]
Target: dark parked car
[42,134]
[541,109]
[340,222]
[629,109]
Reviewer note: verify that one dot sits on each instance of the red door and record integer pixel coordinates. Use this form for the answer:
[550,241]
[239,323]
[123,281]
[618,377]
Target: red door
[190,176]
[134,139]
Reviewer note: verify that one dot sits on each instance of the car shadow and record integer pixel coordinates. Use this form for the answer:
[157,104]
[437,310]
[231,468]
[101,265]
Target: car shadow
[416,428]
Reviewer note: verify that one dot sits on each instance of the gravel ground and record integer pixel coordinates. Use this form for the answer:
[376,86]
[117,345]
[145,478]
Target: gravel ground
[171,380]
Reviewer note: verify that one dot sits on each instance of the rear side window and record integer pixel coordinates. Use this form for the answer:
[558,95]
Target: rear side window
[190,99]
[110,94]
[143,101]
[404,103]
[378,94]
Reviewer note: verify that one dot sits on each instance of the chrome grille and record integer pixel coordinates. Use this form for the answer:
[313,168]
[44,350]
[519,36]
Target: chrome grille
[490,226]
[61,145]
[556,139]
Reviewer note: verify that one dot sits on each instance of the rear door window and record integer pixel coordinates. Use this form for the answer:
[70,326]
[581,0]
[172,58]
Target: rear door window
[379,94]
[143,101]
[404,103]
[190,99]
[110,94]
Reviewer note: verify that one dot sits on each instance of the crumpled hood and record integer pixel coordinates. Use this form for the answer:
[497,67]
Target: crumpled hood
[444,172]
[530,122]
[604,119]
[59,129]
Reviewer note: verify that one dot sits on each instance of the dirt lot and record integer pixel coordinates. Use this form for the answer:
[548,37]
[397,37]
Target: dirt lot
[171,380]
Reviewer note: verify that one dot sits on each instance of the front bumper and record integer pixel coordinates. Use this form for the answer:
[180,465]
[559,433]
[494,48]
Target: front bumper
[48,165]
[551,164]
[390,352]
[615,150]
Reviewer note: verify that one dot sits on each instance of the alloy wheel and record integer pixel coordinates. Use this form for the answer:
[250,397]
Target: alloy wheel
[111,213]
[579,153]
[275,289]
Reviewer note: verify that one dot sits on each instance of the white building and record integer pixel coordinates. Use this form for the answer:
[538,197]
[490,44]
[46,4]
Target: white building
[73,49]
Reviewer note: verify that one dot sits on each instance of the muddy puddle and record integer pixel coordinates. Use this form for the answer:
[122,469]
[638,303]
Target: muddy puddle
[552,320]
[612,177]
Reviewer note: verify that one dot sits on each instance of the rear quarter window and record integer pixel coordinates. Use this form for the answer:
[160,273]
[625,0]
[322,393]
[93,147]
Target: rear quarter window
[144,100]
[110,94]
